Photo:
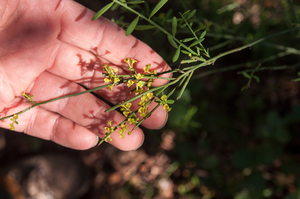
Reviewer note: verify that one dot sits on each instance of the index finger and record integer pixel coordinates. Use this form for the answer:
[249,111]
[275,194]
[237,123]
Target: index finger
[105,39]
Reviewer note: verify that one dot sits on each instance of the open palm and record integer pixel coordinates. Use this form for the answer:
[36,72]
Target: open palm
[52,48]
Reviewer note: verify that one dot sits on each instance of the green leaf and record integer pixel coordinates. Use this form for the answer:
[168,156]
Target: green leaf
[176,55]
[172,42]
[132,26]
[174,26]
[185,52]
[203,27]
[191,14]
[114,7]
[296,80]
[196,42]
[158,7]
[246,75]
[188,39]
[102,11]
[183,25]
[203,34]
[170,101]
[185,12]
[144,27]
[256,78]
[135,2]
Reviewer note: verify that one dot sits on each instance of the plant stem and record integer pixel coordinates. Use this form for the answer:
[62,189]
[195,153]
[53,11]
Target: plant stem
[156,25]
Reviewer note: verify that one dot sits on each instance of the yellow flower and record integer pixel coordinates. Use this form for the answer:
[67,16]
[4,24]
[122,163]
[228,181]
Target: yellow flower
[149,95]
[106,80]
[15,117]
[127,60]
[139,76]
[128,105]
[133,61]
[150,81]
[133,120]
[130,83]
[139,91]
[11,126]
[122,130]
[107,129]
[143,110]
[166,107]
[140,84]
[164,98]
[147,68]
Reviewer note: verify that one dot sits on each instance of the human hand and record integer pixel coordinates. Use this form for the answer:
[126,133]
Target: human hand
[48,48]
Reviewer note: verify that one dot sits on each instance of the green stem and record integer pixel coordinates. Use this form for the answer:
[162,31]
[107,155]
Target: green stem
[234,67]
[155,24]
[212,60]
[55,99]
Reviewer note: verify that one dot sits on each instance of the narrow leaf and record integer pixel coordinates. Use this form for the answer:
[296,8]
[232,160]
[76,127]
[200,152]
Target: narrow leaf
[246,75]
[174,26]
[170,20]
[196,42]
[158,7]
[183,25]
[188,39]
[185,12]
[185,52]
[256,78]
[176,55]
[102,11]
[114,7]
[132,26]
[184,85]
[172,42]
[203,27]
[135,2]
[191,14]
[203,34]
[144,27]
[170,101]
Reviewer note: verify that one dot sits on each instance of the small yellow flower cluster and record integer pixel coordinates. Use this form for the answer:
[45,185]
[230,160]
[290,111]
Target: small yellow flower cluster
[140,84]
[108,131]
[151,73]
[138,76]
[29,98]
[123,130]
[132,119]
[164,102]
[14,121]
[143,110]
[111,76]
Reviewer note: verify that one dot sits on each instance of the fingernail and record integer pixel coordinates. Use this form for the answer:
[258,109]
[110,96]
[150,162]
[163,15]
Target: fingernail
[97,141]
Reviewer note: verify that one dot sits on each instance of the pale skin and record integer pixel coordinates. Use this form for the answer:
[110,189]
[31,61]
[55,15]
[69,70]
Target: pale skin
[52,48]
